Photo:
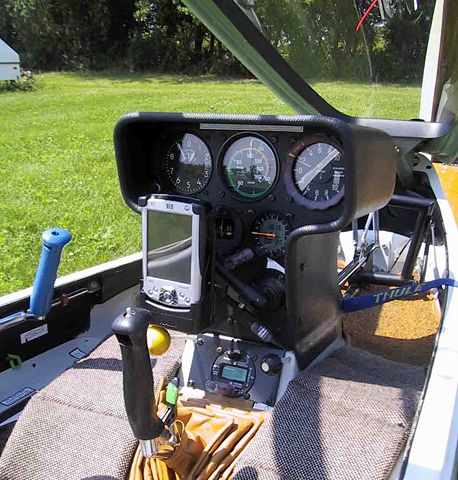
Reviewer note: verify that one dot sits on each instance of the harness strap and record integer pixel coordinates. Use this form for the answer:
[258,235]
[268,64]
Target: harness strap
[353,304]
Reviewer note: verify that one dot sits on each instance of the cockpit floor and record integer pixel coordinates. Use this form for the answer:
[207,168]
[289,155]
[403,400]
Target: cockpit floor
[348,417]
[402,330]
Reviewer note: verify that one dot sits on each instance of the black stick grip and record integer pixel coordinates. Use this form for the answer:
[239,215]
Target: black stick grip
[130,330]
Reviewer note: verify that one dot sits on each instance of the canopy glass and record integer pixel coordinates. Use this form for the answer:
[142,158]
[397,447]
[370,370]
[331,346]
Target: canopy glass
[345,59]
[359,55]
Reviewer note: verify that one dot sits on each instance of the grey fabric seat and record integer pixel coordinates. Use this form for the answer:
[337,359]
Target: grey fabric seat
[76,428]
[5,432]
[347,418]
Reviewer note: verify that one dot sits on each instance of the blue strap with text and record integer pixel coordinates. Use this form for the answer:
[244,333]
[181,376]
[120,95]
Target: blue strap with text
[352,304]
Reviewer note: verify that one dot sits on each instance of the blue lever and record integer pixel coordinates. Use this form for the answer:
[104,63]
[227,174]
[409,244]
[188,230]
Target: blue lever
[53,241]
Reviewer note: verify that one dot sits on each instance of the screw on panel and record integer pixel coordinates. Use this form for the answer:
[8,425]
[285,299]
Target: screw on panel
[155,188]
[64,300]
[93,286]
[200,341]
[219,350]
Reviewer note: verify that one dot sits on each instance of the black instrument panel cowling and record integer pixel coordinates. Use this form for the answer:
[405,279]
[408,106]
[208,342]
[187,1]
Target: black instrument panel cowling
[142,140]
[307,238]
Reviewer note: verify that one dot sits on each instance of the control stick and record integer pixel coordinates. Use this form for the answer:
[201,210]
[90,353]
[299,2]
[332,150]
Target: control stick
[130,329]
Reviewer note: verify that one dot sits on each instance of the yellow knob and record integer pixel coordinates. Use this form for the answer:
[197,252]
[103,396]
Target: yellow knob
[158,340]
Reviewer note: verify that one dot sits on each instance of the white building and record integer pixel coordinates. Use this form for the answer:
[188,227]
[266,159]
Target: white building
[10,68]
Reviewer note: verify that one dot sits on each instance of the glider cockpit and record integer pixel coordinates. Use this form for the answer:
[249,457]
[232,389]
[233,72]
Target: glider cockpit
[245,226]
[241,220]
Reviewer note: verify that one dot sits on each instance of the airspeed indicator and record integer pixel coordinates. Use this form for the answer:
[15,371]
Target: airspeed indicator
[249,167]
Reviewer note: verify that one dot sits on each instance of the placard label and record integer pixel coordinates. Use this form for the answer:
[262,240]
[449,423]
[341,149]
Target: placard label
[34,333]
[18,396]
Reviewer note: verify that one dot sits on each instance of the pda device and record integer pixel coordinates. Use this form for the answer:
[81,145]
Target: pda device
[178,261]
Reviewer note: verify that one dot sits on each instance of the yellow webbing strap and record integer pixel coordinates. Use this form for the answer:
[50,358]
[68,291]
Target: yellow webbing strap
[214,437]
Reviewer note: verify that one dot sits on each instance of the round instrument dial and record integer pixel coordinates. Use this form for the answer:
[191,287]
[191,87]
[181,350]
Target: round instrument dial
[317,173]
[188,164]
[269,233]
[250,167]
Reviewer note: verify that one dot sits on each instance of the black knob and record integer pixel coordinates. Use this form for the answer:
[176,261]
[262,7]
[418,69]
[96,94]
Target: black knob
[234,355]
[271,364]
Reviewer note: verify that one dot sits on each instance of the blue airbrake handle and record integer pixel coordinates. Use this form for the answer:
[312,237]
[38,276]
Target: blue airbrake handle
[53,241]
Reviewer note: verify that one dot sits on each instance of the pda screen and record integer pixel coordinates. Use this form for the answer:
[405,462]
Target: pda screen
[169,238]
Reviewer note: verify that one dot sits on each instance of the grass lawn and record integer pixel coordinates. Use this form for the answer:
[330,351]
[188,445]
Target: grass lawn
[57,164]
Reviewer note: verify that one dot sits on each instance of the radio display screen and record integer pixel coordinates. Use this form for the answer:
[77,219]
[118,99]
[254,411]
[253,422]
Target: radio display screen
[237,374]
[169,238]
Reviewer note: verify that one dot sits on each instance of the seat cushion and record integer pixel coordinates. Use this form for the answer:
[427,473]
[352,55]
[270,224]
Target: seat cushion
[76,428]
[5,432]
[347,418]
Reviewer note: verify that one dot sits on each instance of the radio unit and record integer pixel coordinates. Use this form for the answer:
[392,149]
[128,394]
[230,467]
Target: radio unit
[233,368]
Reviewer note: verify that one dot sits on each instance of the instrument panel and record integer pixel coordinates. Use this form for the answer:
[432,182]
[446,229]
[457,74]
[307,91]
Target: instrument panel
[262,183]
[262,180]
[249,166]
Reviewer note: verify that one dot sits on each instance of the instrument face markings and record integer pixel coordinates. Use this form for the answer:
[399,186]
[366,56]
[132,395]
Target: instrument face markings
[321,179]
[250,167]
[316,174]
[188,164]
[269,233]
